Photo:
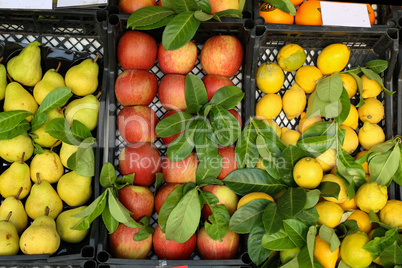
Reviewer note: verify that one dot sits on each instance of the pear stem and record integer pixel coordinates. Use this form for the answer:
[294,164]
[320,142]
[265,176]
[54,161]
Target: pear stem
[38,178]
[54,144]
[47,210]
[22,158]
[17,196]
[96,58]
[1,59]
[99,94]
[9,215]
[62,109]
[58,67]
[9,77]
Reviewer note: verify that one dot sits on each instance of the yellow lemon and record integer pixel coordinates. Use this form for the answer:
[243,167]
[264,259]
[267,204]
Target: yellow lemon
[370,135]
[289,136]
[351,141]
[323,253]
[259,164]
[343,195]
[305,123]
[372,110]
[371,88]
[274,126]
[352,252]
[294,101]
[269,106]
[371,196]
[391,213]
[327,159]
[348,204]
[291,57]
[253,196]
[269,77]
[365,164]
[333,58]
[307,173]
[330,213]
[349,83]
[362,219]
[307,77]
[353,118]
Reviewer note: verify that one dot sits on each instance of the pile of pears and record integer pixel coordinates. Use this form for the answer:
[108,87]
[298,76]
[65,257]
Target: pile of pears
[39,193]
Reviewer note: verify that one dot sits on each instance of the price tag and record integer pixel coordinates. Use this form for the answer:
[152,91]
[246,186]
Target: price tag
[26,4]
[344,14]
[74,3]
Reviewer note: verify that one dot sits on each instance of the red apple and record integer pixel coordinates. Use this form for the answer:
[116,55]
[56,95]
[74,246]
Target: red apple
[137,199]
[179,61]
[123,245]
[237,115]
[171,92]
[143,159]
[224,195]
[222,55]
[217,250]
[136,50]
[213,83]
[160,3]
[137,124]
[183,171]
[162,194]
[168,140]
[228,160]
[135,87]
[170,249]
[129,6]
[221,5]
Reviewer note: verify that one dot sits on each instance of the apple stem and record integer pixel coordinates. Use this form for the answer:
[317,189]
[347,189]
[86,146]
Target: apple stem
[58,67]
[99,94]
[38,178]
[9,216]
[47,210]
[96,58]
[17,196]
[9,77]
[22,158]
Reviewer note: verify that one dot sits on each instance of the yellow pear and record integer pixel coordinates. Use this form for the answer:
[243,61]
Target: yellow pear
[51,80]
[9,239]
[66,151]
[84,110]
[82,79]
[17,98]
[19,217]
[65,223]
[43,138]
[74,189]
[3,80]
[48,165]
[14,178]
[12,150]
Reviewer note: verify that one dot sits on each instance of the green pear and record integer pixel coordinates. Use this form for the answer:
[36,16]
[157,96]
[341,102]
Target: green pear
[48,165]
[65,223]
[82,79]
[26,67]
[84,110]
[43,138]
[19,217]
[3,80]
[74,189]
[15,177]
[17,98]
[41,236]
[66,151]
[9,239]
[12,150]
[51,80]
[43,195]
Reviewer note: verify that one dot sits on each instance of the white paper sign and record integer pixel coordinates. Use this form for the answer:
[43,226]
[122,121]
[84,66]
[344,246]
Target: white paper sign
[26,4]
[72,3]
[344,14]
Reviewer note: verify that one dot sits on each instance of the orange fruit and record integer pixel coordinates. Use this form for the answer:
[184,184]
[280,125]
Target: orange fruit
[272,14]
[309,13]
[297,2]
[348,204]
[362,219]
[371,14]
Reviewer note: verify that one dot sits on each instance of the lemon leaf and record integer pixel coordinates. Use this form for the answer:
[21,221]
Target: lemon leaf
[284,5]
[329,89]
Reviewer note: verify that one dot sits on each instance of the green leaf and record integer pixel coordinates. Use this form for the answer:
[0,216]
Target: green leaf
[209,181]
[378,245]
[244,217]
[38,149]
[289,157]
[328,235]
[150,15]
[345,104]
[11,119]
[292,201]
[180,30]
[117,210]
[383,166]
[143,233]
[271,167]
[349,169]
[248,180]
[204,5]
[59,129]
[277,241]
[320,129]
[313,196]
[181,5]
[272,139]
[21,128]
[246,152]
[110,222]
[332,109]
[229,13]
[374,219]
[398,174]
[391,256]
[359,87]
[329,88]
[209,168]
[218,225]
[309,216]
[158,24]
[377,66]
[284,5]
[204,146]
[272,218]
[38,121]
[227,97]
[267,148]
[55,99]
[202,16]
[304,260]
[258,254]
[372,75]
[297,231]
[79,131]
[311,234]
[170,203]
[314,106]
[83,160]
[350,226]
[108,175]
[91,212]
[195,93]
[183,145]
[316,145]
[226,128]
[208,198]
[329,189]
[158,182]
[184,218]
[173,124]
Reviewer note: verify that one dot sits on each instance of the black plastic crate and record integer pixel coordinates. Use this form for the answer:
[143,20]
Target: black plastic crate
[115,143]
[68,38]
